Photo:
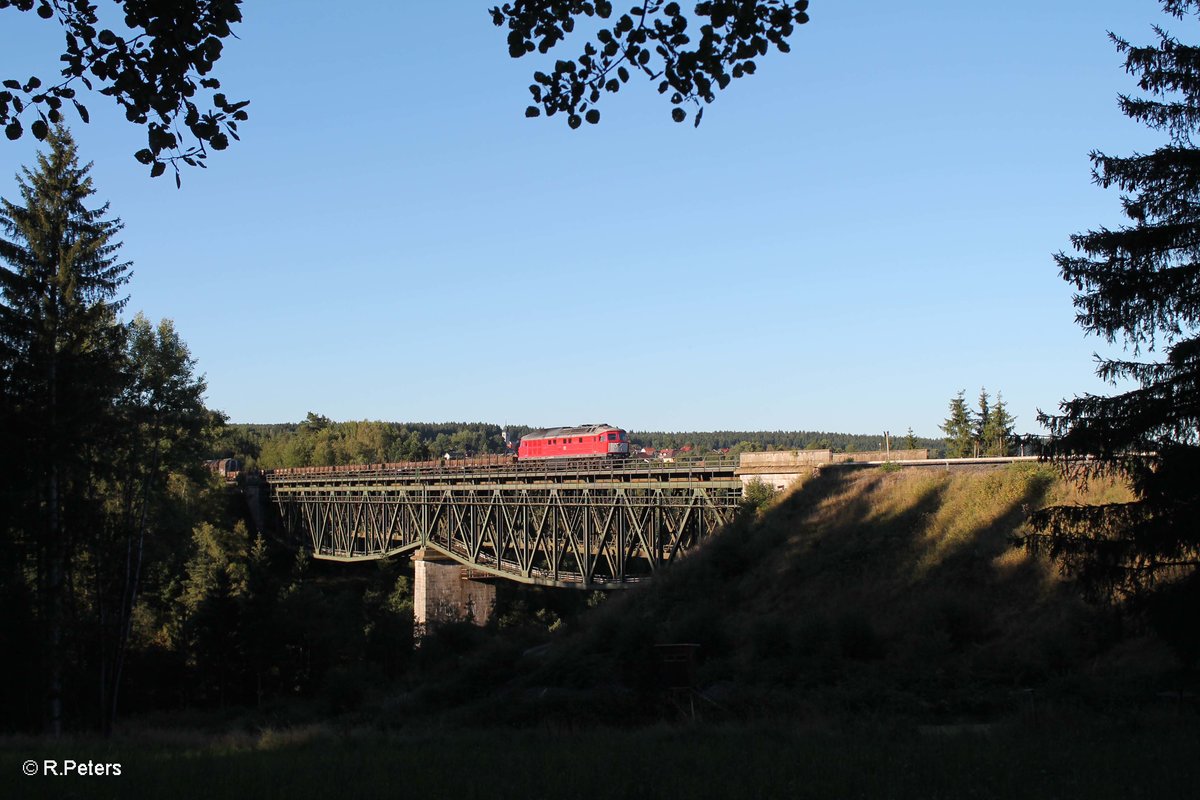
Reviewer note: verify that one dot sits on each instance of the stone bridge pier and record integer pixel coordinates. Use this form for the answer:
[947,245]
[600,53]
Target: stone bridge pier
[443,591]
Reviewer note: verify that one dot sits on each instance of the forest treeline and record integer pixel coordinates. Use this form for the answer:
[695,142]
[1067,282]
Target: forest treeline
[318,441]
[754,441]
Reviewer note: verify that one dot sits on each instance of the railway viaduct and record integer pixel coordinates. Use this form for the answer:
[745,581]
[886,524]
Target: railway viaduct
[582,523]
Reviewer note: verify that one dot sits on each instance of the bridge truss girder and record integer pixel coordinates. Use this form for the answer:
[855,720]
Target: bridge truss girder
[586,534]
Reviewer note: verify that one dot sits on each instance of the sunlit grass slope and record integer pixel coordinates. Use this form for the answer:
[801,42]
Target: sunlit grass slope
[890,593]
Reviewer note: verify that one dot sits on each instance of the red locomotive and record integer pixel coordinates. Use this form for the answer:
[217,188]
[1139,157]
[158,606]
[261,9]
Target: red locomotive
[584,441]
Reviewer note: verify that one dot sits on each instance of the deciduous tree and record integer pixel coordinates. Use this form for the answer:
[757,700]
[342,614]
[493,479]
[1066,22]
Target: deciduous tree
[162,428]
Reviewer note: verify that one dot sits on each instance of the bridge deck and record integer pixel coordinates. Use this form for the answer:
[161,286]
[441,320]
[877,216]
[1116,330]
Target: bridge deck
[507,471]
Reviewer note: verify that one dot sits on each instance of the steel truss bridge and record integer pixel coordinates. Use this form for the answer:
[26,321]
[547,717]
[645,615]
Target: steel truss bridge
[580,523]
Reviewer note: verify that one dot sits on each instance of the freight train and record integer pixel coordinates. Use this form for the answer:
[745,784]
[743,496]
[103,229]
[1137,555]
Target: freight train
[584,441]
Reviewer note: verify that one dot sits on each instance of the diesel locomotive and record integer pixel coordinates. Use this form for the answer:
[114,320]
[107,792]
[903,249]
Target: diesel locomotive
[584,441]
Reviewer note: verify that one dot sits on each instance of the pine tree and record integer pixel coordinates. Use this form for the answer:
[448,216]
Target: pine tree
[959,428]
[1140,286]
[61,348]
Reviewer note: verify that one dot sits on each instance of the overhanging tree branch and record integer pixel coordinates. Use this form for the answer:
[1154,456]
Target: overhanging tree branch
[156,64]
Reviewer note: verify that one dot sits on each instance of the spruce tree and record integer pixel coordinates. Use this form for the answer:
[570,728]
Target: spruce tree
[998,434]
[1139,286]
[982,419]
[61,348]
[959,428]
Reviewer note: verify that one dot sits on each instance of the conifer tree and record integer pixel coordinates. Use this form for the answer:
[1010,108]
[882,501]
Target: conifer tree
[1139,286]
[998,434]
[61,347]
[959,428]
[982,418]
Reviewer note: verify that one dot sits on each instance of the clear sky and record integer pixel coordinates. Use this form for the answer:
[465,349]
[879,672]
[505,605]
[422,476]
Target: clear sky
[851,236]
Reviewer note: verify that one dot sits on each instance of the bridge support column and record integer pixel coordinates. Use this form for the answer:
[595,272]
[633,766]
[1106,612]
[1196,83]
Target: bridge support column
[442,592]
[258,500]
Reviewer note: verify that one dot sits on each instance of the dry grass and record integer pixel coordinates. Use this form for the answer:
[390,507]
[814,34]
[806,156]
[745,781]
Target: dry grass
[892,593]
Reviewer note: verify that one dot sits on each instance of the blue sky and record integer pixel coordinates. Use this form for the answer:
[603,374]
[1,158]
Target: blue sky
[852,235]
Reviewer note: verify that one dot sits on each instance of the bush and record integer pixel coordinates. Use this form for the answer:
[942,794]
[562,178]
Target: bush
[759,494]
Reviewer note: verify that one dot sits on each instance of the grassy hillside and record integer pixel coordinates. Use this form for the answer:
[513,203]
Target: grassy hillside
[871,634]
[896,594]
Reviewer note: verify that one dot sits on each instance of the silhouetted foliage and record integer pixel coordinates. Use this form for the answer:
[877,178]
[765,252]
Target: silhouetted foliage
[154,63]
[1139,286]
[688,56]
[155,60]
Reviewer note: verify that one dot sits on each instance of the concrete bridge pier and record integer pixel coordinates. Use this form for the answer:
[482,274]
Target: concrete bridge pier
[442,592]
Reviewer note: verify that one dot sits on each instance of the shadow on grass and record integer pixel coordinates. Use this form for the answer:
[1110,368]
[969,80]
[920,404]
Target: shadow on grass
[860,592]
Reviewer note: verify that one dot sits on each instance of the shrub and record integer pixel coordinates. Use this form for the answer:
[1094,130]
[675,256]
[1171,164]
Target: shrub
[759,494]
